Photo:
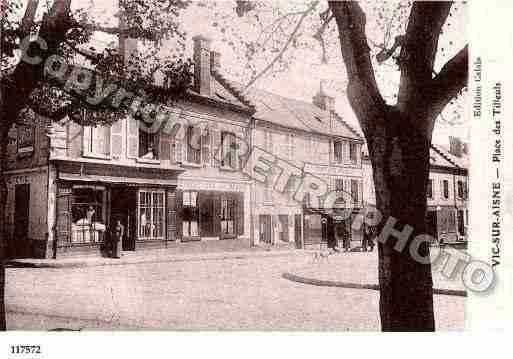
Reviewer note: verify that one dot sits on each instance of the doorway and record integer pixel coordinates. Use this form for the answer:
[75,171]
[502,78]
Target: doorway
[124,207]
[21,220]
[265,228]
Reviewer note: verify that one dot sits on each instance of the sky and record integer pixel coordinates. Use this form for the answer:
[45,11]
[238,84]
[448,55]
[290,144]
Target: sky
[301,80]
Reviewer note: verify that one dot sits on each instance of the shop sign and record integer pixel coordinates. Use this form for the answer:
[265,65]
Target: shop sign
[26,138]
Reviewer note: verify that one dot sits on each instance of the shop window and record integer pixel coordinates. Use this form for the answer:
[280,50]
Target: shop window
[96,140]
[353,153]
[227,216]
[148,145]
[337,150]
[430,189]
[151,215]
[87,214]
[190,214]
[229,150]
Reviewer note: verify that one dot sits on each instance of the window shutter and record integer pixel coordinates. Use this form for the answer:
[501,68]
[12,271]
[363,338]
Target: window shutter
[347,186]
[86,139]
[171,215]
[216,146]
[178,213]
[239,140]
[360,192]
[441,189]
[239,214]
[165,146]
[63,223]
[332,184]
[132,138]
[205,147]
[116,139]
[216,198]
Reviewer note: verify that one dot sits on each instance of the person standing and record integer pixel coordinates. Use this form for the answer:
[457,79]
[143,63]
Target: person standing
[117,239]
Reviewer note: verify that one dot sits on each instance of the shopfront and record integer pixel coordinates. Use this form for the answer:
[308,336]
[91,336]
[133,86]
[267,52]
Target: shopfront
[322,227]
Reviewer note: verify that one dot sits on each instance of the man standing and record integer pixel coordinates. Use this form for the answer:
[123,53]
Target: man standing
[117,238]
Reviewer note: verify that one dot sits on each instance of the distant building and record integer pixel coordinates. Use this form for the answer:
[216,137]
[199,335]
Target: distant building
[314,137]
[447,191]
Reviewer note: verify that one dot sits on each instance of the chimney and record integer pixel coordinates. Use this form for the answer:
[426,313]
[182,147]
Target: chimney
[202,63]
[322,100]
[464,148]
[215,61]
[127,46]
[455,146]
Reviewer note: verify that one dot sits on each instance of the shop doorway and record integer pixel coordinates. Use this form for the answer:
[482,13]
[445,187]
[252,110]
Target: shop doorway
[265,228]
[124,207]
[21,221]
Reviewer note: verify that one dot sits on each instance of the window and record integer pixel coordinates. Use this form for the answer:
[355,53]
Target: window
[461,190]
[229,150]
[87,210]
[151,215]
[446,189]
[227,216]
[430,188]
[337,151]
[339,184]
[354,190]
[190,214]
[193,143]
[96,140]
[353,153]
[148,145]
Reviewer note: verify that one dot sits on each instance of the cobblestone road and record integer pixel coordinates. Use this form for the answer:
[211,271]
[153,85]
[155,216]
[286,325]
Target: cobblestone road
[217,294]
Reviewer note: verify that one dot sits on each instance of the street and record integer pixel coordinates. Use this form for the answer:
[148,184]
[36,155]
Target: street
[230,294]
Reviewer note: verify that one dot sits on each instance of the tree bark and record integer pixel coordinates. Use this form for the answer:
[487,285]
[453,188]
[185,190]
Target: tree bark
[399,139]
[400,161]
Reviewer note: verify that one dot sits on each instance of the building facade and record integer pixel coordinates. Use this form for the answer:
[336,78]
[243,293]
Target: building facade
[314,138]
[68,183]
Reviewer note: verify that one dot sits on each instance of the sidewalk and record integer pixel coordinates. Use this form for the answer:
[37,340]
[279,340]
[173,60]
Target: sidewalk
[359,270]
[176,252]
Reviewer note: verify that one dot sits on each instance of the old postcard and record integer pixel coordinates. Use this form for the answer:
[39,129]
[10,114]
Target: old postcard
[293,166]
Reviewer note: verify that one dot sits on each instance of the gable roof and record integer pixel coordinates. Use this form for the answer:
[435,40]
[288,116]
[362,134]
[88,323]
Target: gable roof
[301,115]
[455,161]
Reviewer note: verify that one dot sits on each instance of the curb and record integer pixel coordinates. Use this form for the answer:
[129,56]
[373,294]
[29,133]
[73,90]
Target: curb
[330,283]
[112,262]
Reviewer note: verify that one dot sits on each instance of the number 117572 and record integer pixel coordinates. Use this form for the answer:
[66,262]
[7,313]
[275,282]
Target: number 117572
[25,349]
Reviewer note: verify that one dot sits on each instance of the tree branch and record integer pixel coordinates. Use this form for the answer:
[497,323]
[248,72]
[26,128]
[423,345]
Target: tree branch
[451,79]
[362,89]
[284,48]
[28,19]
[418,52]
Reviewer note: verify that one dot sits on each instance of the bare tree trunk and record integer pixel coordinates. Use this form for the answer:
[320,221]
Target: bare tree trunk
[400,159]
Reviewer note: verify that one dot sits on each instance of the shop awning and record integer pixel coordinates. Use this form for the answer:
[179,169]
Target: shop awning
[118,180]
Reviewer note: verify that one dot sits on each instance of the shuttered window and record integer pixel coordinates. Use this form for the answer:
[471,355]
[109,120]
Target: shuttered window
[338,152]
[96,140]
